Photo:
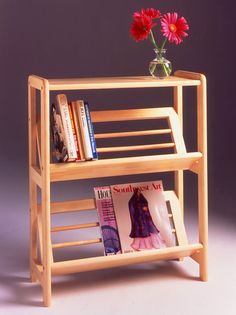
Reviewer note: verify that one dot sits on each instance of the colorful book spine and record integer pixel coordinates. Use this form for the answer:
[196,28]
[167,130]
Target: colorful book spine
[65,116]
[75,112]
[84,131]
[91,131]
[74,132]
[107,219]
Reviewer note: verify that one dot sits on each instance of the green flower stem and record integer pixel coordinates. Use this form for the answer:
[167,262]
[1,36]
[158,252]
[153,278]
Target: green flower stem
[152,39]
[163,44]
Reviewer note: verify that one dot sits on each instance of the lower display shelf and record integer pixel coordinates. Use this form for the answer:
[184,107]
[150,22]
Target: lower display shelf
[102,262]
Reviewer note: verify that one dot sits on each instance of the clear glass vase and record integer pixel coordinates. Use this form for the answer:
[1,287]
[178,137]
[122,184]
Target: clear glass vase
[160,67]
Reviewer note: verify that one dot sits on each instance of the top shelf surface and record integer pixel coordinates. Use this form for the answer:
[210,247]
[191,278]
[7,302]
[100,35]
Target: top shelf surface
[119,82]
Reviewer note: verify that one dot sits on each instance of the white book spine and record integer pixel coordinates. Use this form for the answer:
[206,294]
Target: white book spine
[85,132]
[65,116]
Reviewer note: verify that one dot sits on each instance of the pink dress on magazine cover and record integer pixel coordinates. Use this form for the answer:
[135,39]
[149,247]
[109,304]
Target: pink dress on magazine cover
[143,230]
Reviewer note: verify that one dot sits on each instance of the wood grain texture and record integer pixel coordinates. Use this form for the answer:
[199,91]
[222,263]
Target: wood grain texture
[39,138]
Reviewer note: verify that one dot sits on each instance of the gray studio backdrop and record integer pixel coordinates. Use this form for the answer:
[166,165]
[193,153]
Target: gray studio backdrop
[71,38]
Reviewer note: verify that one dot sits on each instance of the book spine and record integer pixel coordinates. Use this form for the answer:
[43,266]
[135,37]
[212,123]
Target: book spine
[85,132]
[107,219]
[75,114]
[58,136]
[91,131]
[65,116]
[74,133]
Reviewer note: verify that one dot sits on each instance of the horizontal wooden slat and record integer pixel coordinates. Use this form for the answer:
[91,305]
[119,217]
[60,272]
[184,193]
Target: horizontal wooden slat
[131,114]
[136,147]
[76,243]
[102,262]
[118,83]
[72,205]
[132,133]
[74,227]
[123,166]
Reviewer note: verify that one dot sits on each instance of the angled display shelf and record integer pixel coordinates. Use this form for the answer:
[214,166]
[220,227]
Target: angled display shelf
[169,155]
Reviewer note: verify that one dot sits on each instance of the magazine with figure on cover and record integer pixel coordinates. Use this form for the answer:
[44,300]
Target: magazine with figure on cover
[142,216]
[107,220]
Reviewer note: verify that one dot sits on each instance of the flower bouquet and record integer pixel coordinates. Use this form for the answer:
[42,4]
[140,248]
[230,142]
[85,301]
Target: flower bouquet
[172,27]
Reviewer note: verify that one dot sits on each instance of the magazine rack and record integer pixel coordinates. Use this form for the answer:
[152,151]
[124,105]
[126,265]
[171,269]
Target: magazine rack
[42,172]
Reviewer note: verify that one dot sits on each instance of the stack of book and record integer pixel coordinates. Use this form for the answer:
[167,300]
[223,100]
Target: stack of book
[72,130]
[133,217]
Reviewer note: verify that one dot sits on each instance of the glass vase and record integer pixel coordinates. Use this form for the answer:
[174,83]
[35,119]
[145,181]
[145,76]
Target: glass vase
[160,67]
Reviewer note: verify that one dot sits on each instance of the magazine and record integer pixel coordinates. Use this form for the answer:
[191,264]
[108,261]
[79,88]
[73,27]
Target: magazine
[107,220]
[142,216]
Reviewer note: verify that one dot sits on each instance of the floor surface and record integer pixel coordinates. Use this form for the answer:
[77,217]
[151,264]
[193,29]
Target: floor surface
[163,288]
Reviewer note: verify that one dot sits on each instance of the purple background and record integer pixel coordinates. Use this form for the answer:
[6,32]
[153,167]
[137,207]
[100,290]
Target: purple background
[71,38]
[83,38]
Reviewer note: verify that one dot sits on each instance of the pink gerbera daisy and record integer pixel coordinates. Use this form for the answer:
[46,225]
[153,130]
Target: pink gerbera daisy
[173,28]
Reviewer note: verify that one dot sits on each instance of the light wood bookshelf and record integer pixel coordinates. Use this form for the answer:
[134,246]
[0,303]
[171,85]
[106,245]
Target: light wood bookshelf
[42,172]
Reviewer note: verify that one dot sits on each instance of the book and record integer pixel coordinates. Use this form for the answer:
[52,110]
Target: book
[142,216]
[76,139]
[58,135]
[107,220]
[91,131]
[65,117]
[82,122]
[75,113]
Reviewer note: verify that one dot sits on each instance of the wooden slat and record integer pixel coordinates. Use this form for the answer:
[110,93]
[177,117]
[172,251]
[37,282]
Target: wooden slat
[46,195]
[178,175]
[35,174]
[38,270]
[32,184]
[72,205]
[38,141]
[202,168]
[132,133]
[76,243]
[123,166]
[136,147]
[177,217]
[102,262]
[131,114]
[118,83]
[177,135]
[74,227]
[40,231]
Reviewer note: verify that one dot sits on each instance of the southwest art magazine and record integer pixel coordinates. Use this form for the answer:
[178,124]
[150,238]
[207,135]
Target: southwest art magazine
[142,216]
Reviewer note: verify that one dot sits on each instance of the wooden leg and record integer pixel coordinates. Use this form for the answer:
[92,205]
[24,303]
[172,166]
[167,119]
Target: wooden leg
[32,185]
[203,223]
[46,211]
[33,228]
[46,245]
[203,266]
[47,290]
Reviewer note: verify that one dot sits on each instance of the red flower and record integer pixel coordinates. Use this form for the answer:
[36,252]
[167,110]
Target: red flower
[173,28]
[152,13]
[141,26]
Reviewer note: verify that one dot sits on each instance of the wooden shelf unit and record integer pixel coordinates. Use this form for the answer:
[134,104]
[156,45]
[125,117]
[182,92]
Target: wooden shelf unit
[42,172]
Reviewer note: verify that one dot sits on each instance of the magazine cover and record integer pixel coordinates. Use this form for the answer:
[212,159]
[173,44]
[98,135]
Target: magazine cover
[107,220]
[142,216]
